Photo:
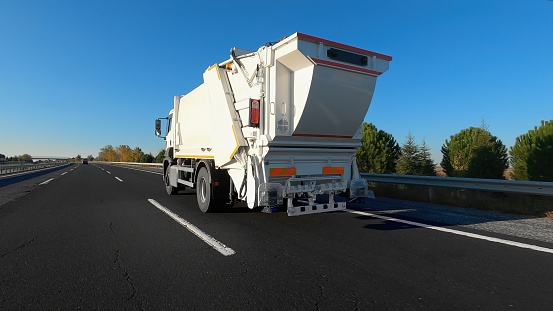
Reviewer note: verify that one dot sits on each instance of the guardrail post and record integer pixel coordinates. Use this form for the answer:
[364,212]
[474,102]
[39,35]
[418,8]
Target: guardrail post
[430,193]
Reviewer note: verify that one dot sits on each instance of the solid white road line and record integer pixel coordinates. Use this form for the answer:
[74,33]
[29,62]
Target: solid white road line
[45,182]
[458,232]
[218,246]
[16,174]
[136,169]
[121,180]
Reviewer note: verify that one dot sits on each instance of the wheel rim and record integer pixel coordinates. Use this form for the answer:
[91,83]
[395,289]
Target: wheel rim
[203,190]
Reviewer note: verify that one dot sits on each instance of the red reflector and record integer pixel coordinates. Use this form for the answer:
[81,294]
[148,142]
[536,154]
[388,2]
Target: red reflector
[254,112]
[329,170]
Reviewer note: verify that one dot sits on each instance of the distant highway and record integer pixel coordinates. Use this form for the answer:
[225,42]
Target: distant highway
[100,236]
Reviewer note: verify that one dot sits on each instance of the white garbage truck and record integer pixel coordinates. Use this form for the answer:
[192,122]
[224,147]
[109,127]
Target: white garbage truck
[276,127]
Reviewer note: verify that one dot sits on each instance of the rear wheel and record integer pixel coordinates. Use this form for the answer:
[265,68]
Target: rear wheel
[170,189]
[203,191]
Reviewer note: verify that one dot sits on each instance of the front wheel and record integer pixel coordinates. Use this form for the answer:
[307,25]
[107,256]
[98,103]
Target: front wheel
[203,191]
[170,189]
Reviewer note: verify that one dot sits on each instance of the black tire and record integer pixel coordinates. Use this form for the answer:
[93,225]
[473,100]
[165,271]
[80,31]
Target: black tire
[170,189]
[203,191]
[221,192]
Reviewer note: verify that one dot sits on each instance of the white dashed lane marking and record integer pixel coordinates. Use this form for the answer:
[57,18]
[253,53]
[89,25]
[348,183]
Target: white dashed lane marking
[46,182]
[218,246]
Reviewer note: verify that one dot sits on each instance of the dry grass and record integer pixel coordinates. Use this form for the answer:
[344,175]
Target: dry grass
[507,174]
[439,171]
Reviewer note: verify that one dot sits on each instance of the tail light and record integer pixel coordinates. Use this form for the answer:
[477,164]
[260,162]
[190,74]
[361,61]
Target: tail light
[254,112]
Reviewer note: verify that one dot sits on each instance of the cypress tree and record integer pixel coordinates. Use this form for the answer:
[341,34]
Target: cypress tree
[427,166]
[415,159]
[409,161]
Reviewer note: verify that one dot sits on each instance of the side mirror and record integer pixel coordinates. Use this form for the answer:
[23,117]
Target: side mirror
[158,127]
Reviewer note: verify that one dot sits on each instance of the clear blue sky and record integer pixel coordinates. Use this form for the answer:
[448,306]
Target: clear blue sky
[78,75]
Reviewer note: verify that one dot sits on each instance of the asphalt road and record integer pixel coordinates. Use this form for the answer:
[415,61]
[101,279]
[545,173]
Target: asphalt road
[107,237]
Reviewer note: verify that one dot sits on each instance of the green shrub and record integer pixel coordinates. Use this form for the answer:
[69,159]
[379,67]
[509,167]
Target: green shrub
[532,154]
[474,153]
[379,151]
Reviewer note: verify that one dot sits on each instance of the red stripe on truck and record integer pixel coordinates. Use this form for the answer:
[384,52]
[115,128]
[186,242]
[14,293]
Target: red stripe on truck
[320,135]
[348,67]
[343,46]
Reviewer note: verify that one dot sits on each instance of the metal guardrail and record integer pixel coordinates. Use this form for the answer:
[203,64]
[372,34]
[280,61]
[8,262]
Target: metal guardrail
[516,186]
[10,167]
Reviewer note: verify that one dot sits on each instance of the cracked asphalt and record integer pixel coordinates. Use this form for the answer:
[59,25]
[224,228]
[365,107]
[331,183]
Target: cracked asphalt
[86,240]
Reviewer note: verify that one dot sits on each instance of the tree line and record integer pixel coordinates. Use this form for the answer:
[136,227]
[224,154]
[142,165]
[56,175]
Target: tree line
[21,158]
[124,153]
[473,152]
[121,153]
